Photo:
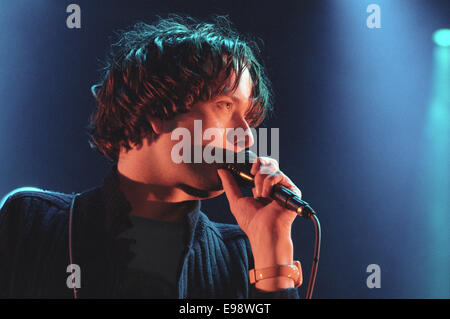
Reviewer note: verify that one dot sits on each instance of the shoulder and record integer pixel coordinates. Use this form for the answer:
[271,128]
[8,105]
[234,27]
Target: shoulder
[58,199]
[27,205]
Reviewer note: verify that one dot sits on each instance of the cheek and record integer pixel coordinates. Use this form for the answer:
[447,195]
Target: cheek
[205,127]
[214,134]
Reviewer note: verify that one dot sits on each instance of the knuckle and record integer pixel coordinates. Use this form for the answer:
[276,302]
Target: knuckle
[275,162]
[271,161]
[267,169]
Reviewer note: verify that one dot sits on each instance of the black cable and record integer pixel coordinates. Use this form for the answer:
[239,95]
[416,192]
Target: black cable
[315,263]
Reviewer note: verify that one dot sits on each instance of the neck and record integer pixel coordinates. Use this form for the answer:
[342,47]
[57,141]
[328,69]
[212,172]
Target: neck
[154,201]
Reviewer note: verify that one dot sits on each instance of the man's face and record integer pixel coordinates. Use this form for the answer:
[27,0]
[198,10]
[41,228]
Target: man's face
[226,111]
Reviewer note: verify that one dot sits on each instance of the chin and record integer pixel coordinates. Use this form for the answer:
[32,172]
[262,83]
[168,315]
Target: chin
[201,180]
[210,183]
[200,192]
[213,194]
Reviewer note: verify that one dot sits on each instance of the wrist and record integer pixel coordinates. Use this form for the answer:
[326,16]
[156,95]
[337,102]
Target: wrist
[269,254]
[275,283]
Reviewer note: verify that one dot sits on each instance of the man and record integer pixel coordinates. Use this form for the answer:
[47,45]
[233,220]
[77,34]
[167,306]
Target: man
[141,233]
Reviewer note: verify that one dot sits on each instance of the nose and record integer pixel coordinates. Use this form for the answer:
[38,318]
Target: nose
[249,138]
[241,137]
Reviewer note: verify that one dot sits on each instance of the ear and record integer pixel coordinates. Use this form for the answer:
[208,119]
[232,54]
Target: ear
[157,125]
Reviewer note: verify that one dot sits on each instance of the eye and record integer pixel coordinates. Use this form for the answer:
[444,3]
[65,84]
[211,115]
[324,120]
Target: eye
[226,105]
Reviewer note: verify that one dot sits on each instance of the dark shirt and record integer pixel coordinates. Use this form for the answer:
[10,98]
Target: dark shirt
[150,277]
[35,252]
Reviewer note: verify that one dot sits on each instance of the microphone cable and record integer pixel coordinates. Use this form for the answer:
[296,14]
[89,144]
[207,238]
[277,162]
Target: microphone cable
[315,264]
[309,213]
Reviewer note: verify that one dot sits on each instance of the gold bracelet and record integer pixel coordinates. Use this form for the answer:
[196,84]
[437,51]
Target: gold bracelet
[293,271]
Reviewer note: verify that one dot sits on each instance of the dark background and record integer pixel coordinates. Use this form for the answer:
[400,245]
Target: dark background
[352,105]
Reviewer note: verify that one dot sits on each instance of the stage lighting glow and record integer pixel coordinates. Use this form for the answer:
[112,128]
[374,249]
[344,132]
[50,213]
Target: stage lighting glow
[442,37]
[18,190]
[436,173]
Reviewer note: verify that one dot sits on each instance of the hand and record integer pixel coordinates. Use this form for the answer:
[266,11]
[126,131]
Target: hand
[265,222]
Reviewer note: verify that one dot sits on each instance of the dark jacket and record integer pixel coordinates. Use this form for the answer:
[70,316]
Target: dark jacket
[34,248]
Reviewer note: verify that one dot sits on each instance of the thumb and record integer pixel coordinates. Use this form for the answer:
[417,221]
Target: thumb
[230,185]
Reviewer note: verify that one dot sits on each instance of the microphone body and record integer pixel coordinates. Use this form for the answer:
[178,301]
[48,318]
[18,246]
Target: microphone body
[283,195]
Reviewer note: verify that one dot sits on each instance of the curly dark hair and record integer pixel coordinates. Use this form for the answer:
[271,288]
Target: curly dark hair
[161,70]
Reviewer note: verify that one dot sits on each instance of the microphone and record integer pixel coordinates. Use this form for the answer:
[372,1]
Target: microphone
[283,195]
